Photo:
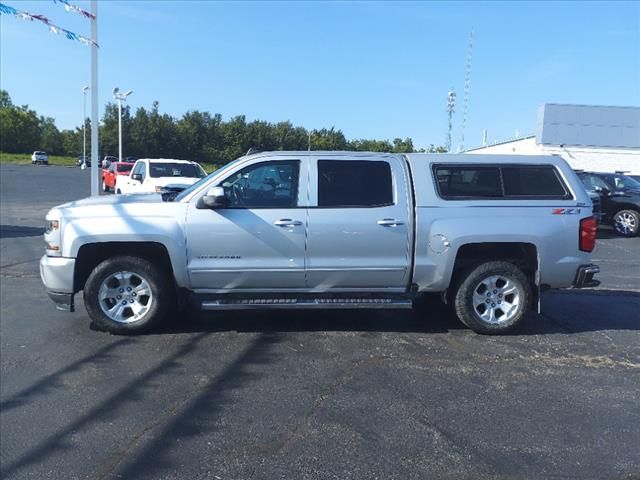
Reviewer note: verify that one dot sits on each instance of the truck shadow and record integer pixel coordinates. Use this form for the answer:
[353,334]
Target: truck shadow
[562,313]
[19,231]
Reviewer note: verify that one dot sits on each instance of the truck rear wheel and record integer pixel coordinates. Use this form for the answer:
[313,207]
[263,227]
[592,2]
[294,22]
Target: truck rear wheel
[493,298]
[127,295]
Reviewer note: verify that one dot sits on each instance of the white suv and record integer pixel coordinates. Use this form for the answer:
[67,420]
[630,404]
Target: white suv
[152,175]
[39,157]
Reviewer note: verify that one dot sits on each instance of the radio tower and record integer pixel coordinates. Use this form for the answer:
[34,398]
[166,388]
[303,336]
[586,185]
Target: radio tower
[467,87]
[451,107]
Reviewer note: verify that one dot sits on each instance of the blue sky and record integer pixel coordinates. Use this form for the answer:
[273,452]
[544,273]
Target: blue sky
[373,69]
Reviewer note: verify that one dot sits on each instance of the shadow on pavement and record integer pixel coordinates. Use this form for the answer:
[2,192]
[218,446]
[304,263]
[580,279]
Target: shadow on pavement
[54,380]
[17,231]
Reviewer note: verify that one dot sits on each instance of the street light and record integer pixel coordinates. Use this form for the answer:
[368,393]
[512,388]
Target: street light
[121,97]
[85,89]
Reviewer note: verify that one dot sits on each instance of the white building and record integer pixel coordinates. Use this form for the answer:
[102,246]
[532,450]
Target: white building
[603,139]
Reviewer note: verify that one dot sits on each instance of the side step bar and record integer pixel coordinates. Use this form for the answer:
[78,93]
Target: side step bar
[305,303]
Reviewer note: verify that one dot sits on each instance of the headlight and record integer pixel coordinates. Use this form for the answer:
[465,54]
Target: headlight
[52,237]
[158,189]
[51,225]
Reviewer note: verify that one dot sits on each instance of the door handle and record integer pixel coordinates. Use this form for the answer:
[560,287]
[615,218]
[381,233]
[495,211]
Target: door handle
[389,222]
[287,222]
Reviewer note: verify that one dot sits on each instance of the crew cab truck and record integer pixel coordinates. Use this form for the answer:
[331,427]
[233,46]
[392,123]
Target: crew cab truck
[301,230]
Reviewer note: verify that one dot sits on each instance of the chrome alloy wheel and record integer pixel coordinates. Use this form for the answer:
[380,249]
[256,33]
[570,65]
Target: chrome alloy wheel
[496,300]
[625,223]
[125,297]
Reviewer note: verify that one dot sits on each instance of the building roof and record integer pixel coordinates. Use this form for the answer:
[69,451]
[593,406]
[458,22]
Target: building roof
[501,142]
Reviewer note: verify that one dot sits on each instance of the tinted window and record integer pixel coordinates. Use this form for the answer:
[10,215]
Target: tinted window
[532,182]
[264,185]
[354,183]
[459,181]
[622,182]
[123,167]
[170,169]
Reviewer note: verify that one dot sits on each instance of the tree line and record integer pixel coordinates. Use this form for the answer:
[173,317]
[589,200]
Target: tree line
[197,135]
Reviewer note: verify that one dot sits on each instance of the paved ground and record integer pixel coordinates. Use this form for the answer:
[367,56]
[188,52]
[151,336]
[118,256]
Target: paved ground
[340,395]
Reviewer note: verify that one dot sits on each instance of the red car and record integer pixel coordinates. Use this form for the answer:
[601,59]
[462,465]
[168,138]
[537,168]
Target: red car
[109,174]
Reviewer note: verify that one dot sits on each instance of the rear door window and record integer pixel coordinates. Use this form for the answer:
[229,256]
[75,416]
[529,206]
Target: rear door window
[354,183]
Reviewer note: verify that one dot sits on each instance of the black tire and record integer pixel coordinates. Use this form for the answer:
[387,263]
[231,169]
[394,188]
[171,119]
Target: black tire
[471,285]
[626,223]
[118,192]
[161,298]
[104,186]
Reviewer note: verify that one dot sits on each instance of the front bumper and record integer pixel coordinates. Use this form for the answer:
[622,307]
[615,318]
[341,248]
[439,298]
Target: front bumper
[57,275]
[584,276]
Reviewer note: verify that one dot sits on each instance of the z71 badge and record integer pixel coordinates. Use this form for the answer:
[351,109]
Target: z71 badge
[565,211]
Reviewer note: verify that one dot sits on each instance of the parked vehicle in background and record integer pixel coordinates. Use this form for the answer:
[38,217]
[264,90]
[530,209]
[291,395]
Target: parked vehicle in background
[39,158]
[304,230]
[107,160]
[170,191]
[151,175]
[110,174]
[86,160]
[597,206]
[619,197]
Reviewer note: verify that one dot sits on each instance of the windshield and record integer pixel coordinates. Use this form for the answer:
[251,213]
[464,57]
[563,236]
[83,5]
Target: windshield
[124,167]
[187,191]
[622,182]
[171,169]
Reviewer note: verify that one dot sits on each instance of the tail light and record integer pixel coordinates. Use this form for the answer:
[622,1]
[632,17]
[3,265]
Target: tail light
[588,234]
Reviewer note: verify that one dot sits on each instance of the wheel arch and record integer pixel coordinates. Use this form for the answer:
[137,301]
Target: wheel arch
[90,255]
[522,254]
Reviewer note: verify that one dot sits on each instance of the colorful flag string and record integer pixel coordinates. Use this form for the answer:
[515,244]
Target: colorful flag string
[7,10]
[72,8]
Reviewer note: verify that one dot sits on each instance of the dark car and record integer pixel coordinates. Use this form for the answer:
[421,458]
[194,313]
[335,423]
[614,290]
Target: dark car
[86,160]
[619,200]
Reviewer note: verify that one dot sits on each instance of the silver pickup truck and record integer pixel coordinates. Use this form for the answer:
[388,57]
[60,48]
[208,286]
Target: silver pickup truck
[300,230]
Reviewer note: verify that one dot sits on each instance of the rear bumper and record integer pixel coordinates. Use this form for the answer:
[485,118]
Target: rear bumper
[584,276]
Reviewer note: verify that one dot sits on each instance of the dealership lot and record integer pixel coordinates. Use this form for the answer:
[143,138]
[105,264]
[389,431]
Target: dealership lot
[322,395]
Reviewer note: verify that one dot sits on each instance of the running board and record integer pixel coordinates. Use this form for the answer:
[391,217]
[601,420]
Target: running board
[305,303]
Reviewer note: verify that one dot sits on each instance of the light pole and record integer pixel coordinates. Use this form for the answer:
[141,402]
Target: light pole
[120,97]
[85,89]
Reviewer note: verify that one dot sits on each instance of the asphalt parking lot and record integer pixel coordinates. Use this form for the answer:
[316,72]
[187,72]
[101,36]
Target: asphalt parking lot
[339,395]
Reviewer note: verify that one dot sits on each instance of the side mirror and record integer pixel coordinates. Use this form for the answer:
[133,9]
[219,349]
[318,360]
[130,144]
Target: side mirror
[137,176]
[215,198]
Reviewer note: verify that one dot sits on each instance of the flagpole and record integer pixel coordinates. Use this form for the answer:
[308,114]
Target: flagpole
[95,126]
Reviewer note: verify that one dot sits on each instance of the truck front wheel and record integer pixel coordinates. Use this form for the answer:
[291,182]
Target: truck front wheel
[127,295]
[493,298]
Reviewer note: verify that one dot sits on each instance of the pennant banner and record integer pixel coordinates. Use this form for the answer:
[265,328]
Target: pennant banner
[7,10]
[72,8]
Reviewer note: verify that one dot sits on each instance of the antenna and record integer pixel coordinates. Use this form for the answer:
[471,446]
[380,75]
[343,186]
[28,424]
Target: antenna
[451,107]
[467,87]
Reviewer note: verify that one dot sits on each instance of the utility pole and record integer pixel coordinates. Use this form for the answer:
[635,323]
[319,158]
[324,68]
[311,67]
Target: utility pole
[309,132]
[95,172]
